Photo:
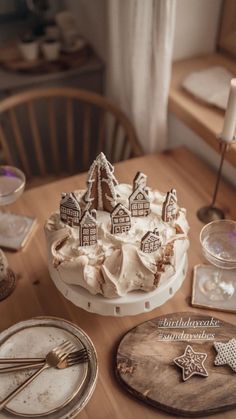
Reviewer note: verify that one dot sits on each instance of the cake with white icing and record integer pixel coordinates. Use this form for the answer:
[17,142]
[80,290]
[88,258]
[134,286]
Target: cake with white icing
[115,238]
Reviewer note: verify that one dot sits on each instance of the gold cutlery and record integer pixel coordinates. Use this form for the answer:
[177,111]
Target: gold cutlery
[20,360]
[53,359]
[78,356]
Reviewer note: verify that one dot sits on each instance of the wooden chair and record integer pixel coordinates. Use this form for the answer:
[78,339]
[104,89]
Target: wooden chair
[60,130]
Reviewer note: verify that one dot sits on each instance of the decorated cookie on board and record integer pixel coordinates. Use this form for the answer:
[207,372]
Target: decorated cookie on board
[120,219]
[88,228]
[191,363]
[70,211]
[140,179]
[101,194]
[151,241]
[139,202]
[170,207]
[226,353]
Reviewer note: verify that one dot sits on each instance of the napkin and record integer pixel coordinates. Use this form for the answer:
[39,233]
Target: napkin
[210,85]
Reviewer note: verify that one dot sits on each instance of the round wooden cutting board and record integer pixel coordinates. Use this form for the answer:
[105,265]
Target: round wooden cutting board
[145,367]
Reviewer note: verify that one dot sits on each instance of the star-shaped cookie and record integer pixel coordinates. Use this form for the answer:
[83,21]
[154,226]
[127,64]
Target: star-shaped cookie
[191,363]
[226,353]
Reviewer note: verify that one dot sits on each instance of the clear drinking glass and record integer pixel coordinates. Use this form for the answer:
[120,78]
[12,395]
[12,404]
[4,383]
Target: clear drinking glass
[12,184]
[218,240]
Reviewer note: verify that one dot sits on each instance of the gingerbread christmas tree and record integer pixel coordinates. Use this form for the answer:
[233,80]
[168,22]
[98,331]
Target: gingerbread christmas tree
[101,183]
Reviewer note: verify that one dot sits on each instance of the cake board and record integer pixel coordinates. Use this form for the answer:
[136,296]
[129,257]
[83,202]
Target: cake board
[135,302]
[146,370]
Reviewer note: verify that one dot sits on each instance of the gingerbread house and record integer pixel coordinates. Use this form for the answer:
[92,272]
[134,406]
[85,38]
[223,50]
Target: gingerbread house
[150,242]
[70,211]
[140,179]
[170,207]
[88,228]
[139,203]
[120,219]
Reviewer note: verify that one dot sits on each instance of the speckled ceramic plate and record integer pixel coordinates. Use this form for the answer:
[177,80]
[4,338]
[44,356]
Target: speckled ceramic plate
[50,395]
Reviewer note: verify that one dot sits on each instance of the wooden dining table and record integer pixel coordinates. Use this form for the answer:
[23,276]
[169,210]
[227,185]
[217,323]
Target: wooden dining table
[36,294]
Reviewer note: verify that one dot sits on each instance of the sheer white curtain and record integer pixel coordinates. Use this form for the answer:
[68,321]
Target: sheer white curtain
[140,38]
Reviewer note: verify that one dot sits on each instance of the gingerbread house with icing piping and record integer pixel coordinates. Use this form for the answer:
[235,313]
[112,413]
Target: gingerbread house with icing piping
[70,211]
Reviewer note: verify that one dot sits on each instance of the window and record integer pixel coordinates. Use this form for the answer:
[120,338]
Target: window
[85,231]
[93,231]
[135,212]
[127,219]
[146,205]
[86,238]
[140,206]
[134,206]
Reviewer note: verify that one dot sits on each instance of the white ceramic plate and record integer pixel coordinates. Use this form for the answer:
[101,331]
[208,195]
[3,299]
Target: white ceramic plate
[48,395]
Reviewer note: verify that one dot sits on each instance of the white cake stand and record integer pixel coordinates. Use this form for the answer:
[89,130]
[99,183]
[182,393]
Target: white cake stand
[135,302]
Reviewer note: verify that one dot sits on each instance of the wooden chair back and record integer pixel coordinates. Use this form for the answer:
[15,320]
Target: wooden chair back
[61,129]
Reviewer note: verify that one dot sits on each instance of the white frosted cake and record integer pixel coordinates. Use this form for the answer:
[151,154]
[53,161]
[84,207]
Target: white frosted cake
[115,238]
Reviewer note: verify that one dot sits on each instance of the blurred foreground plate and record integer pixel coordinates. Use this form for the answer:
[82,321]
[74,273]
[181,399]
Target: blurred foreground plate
[56,394]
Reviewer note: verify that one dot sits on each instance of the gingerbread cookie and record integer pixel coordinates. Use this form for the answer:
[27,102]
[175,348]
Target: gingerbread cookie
[139,202]
[151,241]
[191,363]
[70,211]
[101,183]
[120,219]
[140,179]
[226,353]
[170,207]
[88,228]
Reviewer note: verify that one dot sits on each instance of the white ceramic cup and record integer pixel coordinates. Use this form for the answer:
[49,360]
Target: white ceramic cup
[51,50]
[29,50]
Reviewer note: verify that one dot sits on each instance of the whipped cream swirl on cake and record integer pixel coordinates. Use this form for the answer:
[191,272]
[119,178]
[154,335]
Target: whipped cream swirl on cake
[115,264]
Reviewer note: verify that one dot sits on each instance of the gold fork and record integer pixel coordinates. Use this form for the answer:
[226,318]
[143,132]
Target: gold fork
[79,356]
[53,359]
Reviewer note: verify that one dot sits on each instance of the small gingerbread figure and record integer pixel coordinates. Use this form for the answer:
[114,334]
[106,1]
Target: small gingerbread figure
[139,202]
[140,179]
[120,219]
[170,207]
[88,228]
[70,211]
[151,241]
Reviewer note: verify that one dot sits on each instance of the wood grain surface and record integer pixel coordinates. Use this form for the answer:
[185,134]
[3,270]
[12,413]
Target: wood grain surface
[36,295]
[145,368]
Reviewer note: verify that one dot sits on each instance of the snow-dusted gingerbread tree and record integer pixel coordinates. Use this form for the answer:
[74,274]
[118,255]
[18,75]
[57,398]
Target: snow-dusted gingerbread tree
[101,194]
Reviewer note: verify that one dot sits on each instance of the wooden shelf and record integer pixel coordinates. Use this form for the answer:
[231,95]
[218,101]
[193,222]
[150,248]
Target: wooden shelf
[204,120]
